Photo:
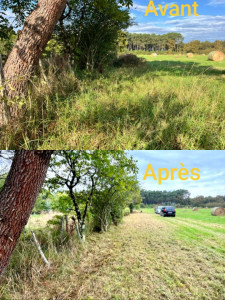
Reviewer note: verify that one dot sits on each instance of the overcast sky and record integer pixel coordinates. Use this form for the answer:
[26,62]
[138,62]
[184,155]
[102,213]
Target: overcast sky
[210,163]
[209,25]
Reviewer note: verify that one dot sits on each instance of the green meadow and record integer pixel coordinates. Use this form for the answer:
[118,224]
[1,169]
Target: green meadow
[168,102]
[198,227]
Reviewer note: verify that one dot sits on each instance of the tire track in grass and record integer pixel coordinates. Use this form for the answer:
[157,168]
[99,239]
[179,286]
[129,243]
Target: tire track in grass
[194,232]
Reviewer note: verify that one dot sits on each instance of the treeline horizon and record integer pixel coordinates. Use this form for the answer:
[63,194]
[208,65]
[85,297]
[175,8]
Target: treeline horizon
[170,43]
[180,198]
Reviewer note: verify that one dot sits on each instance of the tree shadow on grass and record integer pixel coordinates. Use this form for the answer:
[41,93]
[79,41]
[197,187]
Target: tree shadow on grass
[177,68]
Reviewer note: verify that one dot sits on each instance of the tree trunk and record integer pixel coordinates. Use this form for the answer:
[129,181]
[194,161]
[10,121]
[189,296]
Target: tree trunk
[18,196]
[27,50]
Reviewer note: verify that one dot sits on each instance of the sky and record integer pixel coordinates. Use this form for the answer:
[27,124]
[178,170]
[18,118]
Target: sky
[210,163]
[209,25]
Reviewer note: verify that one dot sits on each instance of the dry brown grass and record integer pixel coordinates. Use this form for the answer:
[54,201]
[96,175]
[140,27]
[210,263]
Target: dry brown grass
[40,221]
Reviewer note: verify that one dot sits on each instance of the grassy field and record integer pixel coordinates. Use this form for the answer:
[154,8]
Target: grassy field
[196,226]
[171,102]
[146,257]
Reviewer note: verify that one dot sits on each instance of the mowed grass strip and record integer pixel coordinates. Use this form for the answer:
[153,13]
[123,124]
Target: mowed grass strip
[172,102]
[143,258]
[199,228]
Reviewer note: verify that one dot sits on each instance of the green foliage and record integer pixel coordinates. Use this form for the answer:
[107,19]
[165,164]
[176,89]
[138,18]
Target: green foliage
[131,207]
[21,9]
[56,221]
[133,196]
[153,42]
[158,197]
[208,201]
[2,180]
[122,41]
[53,47]
[90,31]
[192,46]
[180,197]
[169,43]
[5,28]
[42,203]
[62,202]
[126,211]
[109,203]
[7,37]
[93,181]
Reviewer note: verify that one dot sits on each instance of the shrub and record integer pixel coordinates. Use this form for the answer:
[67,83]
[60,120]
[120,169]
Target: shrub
[128,60]
[131,207]
[126,211]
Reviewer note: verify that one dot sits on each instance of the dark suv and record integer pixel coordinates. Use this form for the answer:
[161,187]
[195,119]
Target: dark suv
[168,211]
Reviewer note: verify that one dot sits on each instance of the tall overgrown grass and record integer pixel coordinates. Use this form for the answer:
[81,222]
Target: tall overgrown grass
[27,276]
[27,269]
[168,103]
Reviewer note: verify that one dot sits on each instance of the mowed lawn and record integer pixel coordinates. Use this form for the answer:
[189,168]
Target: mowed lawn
[170,102]
[146,257]
[199,227]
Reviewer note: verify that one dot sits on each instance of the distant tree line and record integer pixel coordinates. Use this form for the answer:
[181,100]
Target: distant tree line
[162,197]
[181,198]
[170,42]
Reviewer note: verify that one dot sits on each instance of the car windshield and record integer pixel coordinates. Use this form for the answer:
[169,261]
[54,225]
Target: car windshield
[169,208]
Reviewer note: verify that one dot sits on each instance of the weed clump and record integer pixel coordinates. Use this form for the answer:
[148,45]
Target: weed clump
[128,60]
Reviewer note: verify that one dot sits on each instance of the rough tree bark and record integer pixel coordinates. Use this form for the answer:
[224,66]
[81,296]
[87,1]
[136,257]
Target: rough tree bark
[27,50]
[18,196]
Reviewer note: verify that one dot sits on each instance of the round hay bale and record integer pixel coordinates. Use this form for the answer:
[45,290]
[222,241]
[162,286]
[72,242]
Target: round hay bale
[195,208]
[189,55]
[153,54]
[216,56]
[203,54]
[218,211]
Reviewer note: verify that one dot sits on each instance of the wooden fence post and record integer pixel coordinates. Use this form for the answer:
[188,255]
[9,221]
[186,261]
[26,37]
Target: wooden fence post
[39,249]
